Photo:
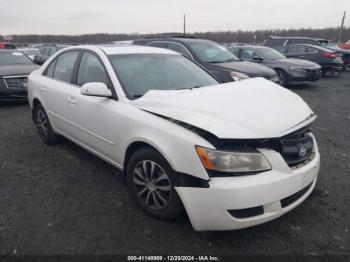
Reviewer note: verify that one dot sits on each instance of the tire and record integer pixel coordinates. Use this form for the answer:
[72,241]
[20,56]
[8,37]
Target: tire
[153,191]
[282,77]
[41,120]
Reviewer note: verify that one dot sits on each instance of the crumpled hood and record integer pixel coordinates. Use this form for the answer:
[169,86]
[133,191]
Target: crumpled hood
[248,109]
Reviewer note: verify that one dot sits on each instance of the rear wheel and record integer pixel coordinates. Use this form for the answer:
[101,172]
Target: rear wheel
[151,182]
[41,120]
[282,77]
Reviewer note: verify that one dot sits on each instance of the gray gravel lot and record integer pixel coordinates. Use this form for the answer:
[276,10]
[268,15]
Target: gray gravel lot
[63,200]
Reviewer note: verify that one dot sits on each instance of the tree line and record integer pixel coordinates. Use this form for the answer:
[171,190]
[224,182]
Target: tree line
[258,36]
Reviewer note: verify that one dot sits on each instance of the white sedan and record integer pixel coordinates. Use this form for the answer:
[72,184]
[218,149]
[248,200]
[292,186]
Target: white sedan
[232,155]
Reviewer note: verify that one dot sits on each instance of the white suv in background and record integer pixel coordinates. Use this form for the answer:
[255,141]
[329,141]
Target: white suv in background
[232,155]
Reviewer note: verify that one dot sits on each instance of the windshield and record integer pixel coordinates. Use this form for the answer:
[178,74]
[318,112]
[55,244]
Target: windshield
[270,54]
[211,52]
[139,73]
[13,58]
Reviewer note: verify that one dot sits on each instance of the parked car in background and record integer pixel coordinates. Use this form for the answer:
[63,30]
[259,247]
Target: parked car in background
[30,52]
[14,70]
[4,45]
[345,54]
[277,42]
[215,58]
[345,46]
[329,60]
[46,51]
[232,155]
[289,70]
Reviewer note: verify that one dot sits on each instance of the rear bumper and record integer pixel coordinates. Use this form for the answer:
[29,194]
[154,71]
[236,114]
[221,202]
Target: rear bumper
[275,193]
[304,77]
[333,67]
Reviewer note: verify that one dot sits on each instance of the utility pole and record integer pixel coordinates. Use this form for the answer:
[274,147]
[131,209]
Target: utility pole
[184,24]
[341,27]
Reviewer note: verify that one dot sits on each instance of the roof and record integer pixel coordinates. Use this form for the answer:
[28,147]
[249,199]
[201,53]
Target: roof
[173,39]
[313,46]
[130,49]
[289,37]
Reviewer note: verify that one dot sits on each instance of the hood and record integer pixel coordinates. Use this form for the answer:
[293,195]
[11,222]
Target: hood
[248,109]
[20,69]
[249,68]
[296,62]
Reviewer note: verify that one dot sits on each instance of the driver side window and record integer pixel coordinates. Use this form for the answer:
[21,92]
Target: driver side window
[91,70]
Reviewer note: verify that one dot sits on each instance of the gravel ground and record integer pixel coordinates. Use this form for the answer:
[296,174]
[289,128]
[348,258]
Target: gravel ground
[63,200]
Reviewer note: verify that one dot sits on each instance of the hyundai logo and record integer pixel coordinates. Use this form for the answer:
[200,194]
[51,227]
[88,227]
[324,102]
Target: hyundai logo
[302,149]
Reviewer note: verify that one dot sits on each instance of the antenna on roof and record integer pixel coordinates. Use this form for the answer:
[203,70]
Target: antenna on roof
[184,24]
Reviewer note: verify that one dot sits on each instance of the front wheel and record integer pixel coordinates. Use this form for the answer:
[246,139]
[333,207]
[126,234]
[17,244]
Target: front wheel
[151,182]
[282,77]
[41,120]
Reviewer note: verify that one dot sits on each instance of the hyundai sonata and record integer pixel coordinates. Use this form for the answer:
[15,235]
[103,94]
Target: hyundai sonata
[232,155]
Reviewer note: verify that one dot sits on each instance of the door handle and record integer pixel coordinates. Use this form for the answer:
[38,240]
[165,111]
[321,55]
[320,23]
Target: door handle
[71,100]
[43,89]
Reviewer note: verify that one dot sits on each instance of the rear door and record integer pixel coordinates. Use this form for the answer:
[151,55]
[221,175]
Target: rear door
[296,51]
[59,90]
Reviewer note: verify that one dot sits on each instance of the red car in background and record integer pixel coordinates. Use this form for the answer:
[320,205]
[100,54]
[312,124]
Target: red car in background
[345,46]
[4,45]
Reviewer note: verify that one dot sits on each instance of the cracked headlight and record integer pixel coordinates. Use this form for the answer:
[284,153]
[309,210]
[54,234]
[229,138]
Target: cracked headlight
[234,162]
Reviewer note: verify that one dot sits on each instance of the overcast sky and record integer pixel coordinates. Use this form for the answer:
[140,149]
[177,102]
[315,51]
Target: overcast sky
[154,16]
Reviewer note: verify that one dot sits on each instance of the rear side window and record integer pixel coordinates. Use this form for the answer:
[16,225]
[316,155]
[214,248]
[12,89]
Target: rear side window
[49,71]
[302,41]
[159,44]
[91,70]
[180,49]
[64,66]
[296,49]
[276,42]
[311,50]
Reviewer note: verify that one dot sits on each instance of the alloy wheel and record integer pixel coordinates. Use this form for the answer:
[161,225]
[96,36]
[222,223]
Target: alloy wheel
[281,78]
[152,185]
[42,123]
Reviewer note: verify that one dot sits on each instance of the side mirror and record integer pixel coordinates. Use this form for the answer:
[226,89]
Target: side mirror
[257,59]
[37,60]
[95,89]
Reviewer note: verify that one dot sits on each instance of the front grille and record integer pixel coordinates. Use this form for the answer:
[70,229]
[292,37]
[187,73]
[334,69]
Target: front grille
[292,198]
[295,148]
[17,82]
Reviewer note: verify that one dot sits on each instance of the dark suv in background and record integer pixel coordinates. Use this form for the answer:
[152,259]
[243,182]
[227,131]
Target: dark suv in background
[213,57]
[46,51]
[277,42]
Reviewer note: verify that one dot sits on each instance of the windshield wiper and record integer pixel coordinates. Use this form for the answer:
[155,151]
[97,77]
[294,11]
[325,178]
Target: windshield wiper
[137,96]
[189,87]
